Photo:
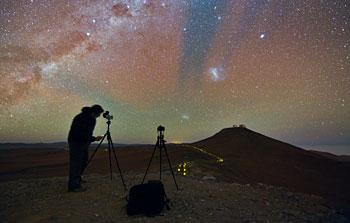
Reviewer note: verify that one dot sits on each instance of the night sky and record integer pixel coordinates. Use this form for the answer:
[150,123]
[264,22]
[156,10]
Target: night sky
[281,67]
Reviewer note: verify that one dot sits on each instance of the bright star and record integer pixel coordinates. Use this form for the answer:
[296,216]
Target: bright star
[187,117]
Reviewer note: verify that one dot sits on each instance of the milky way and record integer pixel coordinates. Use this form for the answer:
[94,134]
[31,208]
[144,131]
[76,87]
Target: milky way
[279,67]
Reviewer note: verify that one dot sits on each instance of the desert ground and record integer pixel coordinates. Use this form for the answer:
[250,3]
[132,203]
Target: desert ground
[259,180]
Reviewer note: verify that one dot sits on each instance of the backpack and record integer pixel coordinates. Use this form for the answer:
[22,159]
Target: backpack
[148,199]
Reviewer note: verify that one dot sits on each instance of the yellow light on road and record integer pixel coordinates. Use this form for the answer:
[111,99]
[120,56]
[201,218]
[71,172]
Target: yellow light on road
[219,159]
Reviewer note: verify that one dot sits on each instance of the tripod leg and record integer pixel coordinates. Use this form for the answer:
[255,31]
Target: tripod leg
[150,161]
[116,160]
[109,153]
[82,171]
[171,169]
[160,162]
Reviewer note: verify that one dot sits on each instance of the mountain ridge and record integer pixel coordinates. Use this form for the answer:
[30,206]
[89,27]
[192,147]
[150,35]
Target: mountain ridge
[253,157]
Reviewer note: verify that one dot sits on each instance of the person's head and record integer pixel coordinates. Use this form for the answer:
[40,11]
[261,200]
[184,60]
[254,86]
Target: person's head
[96,111]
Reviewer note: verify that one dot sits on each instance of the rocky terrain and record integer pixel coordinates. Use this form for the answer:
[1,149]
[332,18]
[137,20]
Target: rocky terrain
[201,198]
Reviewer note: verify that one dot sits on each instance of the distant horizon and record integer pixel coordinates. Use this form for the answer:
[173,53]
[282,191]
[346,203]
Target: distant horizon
[117,140]
[53,142]
[339,150]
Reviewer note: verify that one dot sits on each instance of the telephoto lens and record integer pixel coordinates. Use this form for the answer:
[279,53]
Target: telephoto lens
[107,116]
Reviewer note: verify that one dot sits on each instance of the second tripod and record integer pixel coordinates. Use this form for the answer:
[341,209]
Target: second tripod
[110,148]
[160,144]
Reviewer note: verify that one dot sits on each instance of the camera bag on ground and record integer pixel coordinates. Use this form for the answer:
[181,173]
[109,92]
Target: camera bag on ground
[148,199]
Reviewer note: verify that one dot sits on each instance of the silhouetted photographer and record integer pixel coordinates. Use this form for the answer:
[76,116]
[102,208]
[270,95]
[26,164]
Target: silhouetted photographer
[79,139]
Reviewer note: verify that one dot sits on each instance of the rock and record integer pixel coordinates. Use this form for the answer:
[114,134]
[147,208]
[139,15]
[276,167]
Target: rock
[266,203]
[290,194]
[209,178]
[246,220]
[53,218]
[320,215]
[261,184]
[292,212]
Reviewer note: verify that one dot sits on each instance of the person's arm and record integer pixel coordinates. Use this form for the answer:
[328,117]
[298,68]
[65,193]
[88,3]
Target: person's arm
[98,138]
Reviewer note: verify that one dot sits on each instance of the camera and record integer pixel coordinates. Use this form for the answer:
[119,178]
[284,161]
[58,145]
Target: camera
[161,128]
[107,116]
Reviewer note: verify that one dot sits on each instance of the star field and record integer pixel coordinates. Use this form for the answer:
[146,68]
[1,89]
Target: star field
[195,67]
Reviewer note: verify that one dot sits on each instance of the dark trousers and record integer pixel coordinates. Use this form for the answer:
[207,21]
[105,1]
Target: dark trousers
[78,158]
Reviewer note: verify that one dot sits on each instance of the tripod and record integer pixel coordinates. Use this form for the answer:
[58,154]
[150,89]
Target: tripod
[110,145]
[160,143]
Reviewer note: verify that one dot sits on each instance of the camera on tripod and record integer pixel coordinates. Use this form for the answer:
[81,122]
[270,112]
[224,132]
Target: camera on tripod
[160,145]
[161,128]
[107,136]
[107,116]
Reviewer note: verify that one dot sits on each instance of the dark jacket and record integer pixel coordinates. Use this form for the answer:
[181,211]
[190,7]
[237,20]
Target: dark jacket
[82,127]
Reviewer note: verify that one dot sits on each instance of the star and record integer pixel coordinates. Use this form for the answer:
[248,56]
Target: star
[186,117]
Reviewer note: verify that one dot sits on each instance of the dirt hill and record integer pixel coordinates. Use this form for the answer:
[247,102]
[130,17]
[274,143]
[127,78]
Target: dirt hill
[342,158]
[251,157]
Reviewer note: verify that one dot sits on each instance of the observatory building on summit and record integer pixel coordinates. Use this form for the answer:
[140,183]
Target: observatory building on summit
[239,126]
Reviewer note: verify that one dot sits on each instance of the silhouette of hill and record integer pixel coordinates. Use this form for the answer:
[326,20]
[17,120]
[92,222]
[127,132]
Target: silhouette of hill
[33,145]
[252,157]
[52,145]
[343,158]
